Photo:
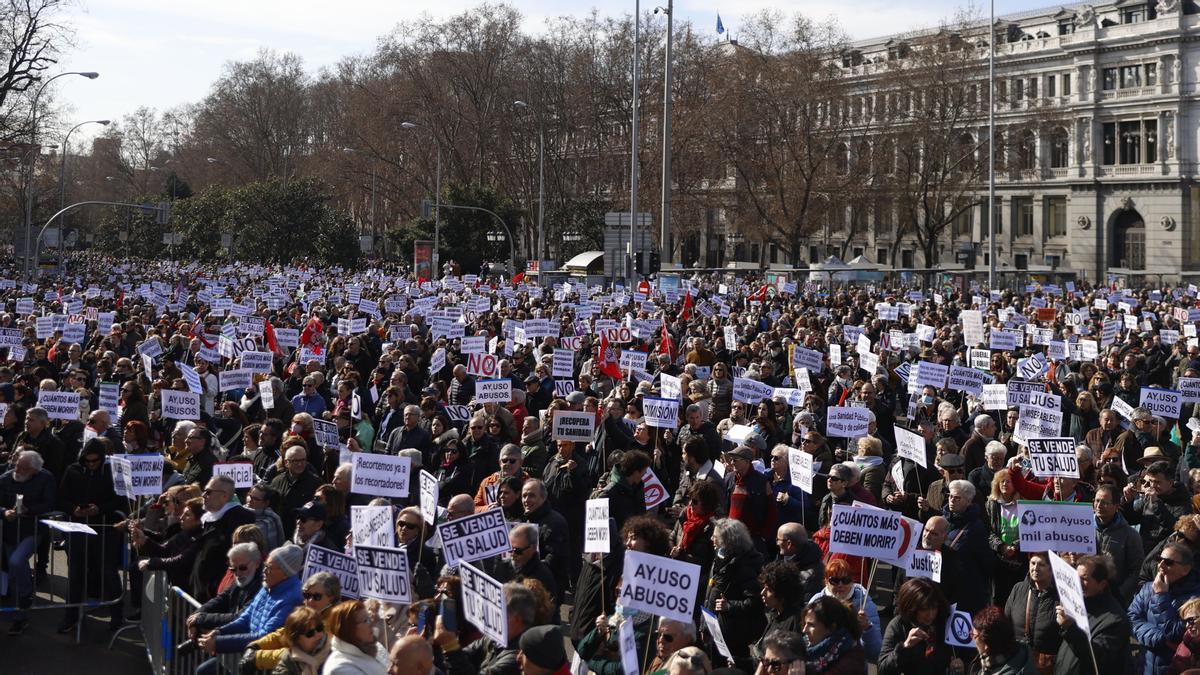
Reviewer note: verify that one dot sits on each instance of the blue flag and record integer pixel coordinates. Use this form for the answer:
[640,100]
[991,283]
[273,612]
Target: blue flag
[720,26]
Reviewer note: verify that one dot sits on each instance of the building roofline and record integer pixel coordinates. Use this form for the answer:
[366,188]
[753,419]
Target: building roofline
[1048,11]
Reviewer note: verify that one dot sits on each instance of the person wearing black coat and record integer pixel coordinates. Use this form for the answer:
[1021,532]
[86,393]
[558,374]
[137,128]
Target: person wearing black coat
[733,590]
[1108,624]
[220,519]
[481,450]
[87,496]
[225,606]
[423,562]
[454,475]
[907,650]
[1031,607]
[568,486]
[553,532]
[968,536]
[199,466]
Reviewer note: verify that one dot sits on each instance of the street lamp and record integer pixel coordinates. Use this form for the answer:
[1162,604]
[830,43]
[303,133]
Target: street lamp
[62,179]
[437,195]
[666,151]
[541,246]
[33,110]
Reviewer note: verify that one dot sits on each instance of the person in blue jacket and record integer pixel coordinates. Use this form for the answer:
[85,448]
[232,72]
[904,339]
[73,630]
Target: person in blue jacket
[279,595]
[840,585]
[1154,614]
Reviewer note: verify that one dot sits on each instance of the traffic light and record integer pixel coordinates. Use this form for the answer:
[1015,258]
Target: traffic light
[655,264]
[639,259]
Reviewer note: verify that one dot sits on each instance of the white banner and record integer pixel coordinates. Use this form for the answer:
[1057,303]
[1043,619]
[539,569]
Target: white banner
[751,392]
[800,468]
[380,475]
[372,526]
[1057,526]
[493,391]
[910,446]
[180,405]
[1070,592]
[429,497]
[661,412]
[1162,402]
[659,585]
[242,473]
[235,380]
[870,532]
[1053,457]
[59,405]
[844,422]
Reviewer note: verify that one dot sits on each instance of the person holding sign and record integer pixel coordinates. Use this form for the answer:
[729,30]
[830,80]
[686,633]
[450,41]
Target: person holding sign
[1108,632]
[88,496]
[422,561]
[914,643]
[733,591]
[839,585]
[601,647]
[26,492]
[1031,607]
[484,655]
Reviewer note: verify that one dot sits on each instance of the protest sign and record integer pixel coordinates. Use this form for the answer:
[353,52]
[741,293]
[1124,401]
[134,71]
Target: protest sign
[146,471]
[1189,388]
[910,446]
[653,489]
[484,604]
[1057,526]
[659,585]
[474,345]
[573,426]
[1070,592]
[474,537]
[267,394]
[870,533]
[958,628]
[383,574]
[1004,341]
[372,526]
[493,391]
[458,413]
[339,565]
[429,497]
[122,476]
[800,469]
[438,361]
[68,526]
[326,433]
[806,358]
[995,397]
[380,475]
[661,412]
[843,422]
[750,391]
[563,363]
[966,380]
[1162,402]
[192,377]
[1037,422]
[1019,392]
[62,405]
[627,642]
[633,361]
[595,531]
[714,629]
[110,398]
[242,473]
[484,365]
[180,405]
[670,386]
[257,362]
[931,374]
[927,564]
[1053,457]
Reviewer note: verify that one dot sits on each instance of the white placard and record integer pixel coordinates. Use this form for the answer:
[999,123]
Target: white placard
[596,530]
[1070,592]
[372,526]
[122,476]
[493,391]
[242,473]
[800,468]
[339,565]
[1053,457]
[910,446]
[995,397]
[474,537]
[958,628]
[267,394]
[659,585]
[563,364]
[653,489]
[383,574]
[931,374]
[927,564]
[380,475]
[573,426]
[1162,402]
[662,413]
[627,641]
[484,604]
[1058,526]
[146,471]
[60,405]
[714,629]
[257,362]
[966,380]
[429,497]
[180,405]
[670,386]
[846,422]
[474,345]
[869,532]
[235,380]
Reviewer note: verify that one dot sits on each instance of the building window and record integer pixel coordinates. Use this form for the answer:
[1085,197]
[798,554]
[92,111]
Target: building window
[1022,261]
[883,215]
[964,221]
[1060,149]
[774,254]
[1066,27]
[1033,88]
[1056,216]
[1131,76]
[1110,143]
[1150,74]
[1138,14]
[1018,89]
[1066,84]
[998,216]
[1053,261]
[1051,86]
[1027,152]
[813,256]
[858,251]
[908,259]
[1110,79]
[754,251]
[1023,215]
[881,256]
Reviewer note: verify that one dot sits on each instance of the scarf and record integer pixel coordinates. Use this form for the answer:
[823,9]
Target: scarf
[825,654]
[693,523]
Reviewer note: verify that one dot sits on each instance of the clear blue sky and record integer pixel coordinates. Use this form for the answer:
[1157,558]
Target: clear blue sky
[162,53]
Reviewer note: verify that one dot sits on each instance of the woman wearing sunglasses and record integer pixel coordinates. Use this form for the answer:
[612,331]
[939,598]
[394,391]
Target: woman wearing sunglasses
[307,644]
[320,592]
[840,585]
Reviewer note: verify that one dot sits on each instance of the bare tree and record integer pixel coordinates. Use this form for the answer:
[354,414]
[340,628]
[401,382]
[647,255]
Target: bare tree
[33,38]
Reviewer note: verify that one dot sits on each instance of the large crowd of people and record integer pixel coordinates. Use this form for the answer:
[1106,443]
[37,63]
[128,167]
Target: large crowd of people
[757,372]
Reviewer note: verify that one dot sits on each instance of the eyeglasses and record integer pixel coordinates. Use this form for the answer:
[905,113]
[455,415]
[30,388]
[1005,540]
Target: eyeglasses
[521,550]
[313,631]
[239,568]
[666,637]
[195,438]
[475,428]
[1168,562]
[210,491]
[777,666]
[835,478]
[839,581]
[508,460]
[409,526]
[809,440]
[313,596]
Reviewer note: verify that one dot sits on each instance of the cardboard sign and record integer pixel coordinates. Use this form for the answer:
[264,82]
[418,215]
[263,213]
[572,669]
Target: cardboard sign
[661,413]
[870,533]
[910,446]
[383,574]
[843,422]
[429,497]
[1056,526]
[659,586]
[1162,402]
[474,537]
[484,604]
[493,391]
[653,489]
[146,473]
[596,530]
[242,473]
[800,469]
[959,627]
[573,426]
[484,365]
[372,526]
[926,564]
[63,405]
[180,405]
[380,475]
[235,380]
[1053,457]
[751,392]
[1070,592]
[339,565]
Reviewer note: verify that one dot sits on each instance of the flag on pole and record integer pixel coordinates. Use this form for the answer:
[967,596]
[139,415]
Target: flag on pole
[720,26]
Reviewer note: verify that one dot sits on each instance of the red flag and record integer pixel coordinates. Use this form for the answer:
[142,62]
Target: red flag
[308,336]
[667,346]
[687,308]
[269,331]
[518,278]
[607,361]
[760,296]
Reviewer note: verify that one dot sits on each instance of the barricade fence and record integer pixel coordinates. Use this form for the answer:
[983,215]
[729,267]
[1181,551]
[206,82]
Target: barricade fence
[170,650]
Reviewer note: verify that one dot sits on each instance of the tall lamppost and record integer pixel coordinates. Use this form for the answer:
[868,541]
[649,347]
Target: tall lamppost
[541,245]
[62,181]
[666,151]
[437,196]
[633,143]
[33,110]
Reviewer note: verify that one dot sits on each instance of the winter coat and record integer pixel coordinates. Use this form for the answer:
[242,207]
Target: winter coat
[1157,518]
[553,541]
[872,638]
[215,539]
[1110,641]
[896,659]
[265,613]
[1043,635]
[968,537]
[297,662]
[735,578]
[484,657]
[1155,622]
[228,604]
[1020,662]
[346,659]
[1124,544]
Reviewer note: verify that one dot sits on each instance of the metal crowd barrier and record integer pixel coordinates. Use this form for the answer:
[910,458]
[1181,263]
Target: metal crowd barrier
[165,609]
[20,569]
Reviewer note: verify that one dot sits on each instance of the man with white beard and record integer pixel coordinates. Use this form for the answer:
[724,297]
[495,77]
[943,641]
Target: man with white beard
[26,492]
[245,562]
